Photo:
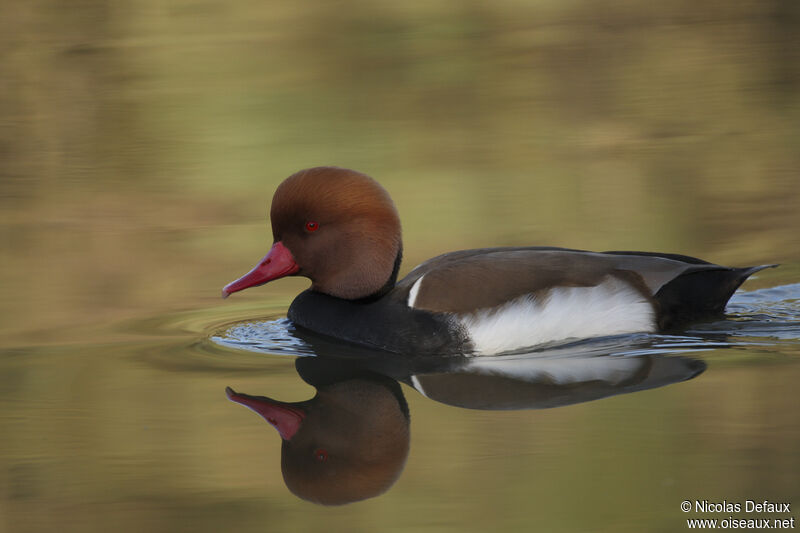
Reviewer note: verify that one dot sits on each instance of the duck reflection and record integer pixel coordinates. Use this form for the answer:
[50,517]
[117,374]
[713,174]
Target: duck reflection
[501,383]
[351,440]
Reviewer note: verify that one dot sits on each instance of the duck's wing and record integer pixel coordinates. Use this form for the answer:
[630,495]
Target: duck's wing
[677,287]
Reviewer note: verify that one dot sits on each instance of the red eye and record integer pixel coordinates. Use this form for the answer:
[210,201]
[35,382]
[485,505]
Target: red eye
[320,455]
[312,226]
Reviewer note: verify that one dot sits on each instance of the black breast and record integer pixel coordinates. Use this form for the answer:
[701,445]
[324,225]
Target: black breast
[385,324]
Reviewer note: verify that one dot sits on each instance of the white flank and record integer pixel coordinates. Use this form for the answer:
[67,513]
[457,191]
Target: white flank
[412,294]
[610,308]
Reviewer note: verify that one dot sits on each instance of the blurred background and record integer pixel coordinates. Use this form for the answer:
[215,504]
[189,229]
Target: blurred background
[141,141]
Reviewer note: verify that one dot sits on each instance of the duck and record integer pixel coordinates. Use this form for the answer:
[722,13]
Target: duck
[340,229]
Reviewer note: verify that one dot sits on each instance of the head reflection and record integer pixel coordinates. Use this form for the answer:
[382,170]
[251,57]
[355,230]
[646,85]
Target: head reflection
[350,441]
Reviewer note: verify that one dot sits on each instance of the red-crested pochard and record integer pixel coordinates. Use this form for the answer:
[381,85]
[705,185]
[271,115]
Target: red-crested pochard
[340,229]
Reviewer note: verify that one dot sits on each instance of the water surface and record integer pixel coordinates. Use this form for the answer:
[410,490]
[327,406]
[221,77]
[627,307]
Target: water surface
[140,144]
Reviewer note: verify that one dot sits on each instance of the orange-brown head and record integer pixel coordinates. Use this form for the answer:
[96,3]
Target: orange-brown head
[335,226]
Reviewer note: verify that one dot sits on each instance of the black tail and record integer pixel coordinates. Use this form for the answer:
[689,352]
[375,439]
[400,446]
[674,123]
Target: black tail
[700,293]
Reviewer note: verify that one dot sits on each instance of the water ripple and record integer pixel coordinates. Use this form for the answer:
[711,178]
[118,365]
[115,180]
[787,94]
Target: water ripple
[270,336]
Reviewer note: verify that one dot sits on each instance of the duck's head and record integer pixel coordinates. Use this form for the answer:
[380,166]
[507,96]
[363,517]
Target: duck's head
[348,443]
[335,226]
